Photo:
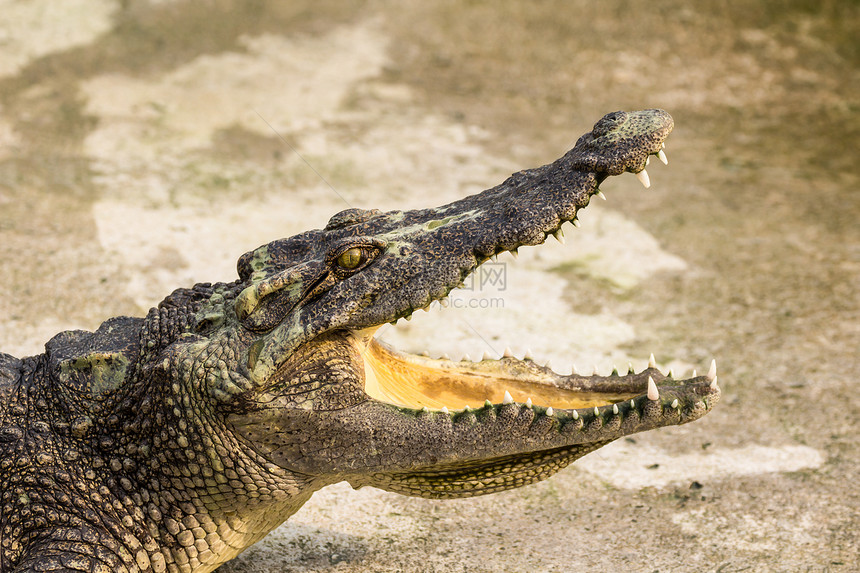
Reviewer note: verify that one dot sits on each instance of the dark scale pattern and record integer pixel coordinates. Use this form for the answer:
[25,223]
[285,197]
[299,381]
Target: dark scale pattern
[175,441]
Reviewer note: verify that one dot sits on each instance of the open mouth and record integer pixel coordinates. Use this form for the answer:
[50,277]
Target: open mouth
[419,382]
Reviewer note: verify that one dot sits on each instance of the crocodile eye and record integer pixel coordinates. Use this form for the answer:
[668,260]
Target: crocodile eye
[352,258]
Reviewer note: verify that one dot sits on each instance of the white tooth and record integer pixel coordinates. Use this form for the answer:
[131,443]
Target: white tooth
[576,223]
[466,358]
[559,236]
[528,355]
[632,403]
[507,399]
[714,383]
[712,371]
[647,161]
[694,374]
[670,374]
[408,317]
[601,195]
[550,411]
[425,409]
[615,408]
[575,415]
[642,176]
[529,403]
[445,357]
[663,145]
[425,353]
[653,393]
[508,353]
[651,362]
[514,253]
[573,371]
[487,356]
[596,411]
[661,155]
[466,408]
[675,403]
[630,368]
[444,409]
[595,372]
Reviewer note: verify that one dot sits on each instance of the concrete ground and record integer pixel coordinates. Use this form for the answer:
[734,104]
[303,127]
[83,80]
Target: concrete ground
[146,145]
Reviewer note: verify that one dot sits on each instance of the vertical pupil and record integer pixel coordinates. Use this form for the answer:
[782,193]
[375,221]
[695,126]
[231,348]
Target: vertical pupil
[350,259]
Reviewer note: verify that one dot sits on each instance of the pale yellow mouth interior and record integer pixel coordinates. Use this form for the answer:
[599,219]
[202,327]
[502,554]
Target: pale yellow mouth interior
[414,381]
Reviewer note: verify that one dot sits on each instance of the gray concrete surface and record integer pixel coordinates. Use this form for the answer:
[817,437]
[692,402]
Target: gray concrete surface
[146,145]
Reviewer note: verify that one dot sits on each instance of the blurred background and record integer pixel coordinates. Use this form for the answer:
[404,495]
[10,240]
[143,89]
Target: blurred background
[144,146]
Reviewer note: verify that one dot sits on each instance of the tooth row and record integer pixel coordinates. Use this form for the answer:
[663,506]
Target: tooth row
[652,395]
[508,353]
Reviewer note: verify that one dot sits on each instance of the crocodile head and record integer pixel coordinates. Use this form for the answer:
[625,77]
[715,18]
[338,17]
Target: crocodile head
[302,380]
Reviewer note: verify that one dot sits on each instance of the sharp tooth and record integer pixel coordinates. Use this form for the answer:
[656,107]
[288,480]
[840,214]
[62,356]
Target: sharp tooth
[714,383]
[615,409]
[426,353]
[529,403]
[487,355]
[651,362]
[601,195]
[653,393]
[647,161]
[573,371]
[642,176]
[466,358]
[494,258]
[675,403]
[595,372]
[632,403]
[630,368]
[514,253]
[488,404]
[508,353]
[550,411]
[596,411]
[559,236]
[528,355]
[507,399]
[466,408]
[576,223]
[575,415]
[445,357]
[663,145]
[425,409]
[444,409]
[670,374]
[661,155]
[712,371]
[614,370]
[694,374]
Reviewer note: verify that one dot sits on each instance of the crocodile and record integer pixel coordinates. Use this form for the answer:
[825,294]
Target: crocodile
[174,441]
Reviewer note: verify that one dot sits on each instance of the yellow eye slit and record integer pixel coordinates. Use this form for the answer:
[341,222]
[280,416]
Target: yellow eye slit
[350,258]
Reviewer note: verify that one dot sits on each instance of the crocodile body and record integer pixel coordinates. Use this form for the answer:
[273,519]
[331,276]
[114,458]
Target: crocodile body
[173,442]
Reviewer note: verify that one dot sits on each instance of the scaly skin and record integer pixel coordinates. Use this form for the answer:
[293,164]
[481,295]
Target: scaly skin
[173,442]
